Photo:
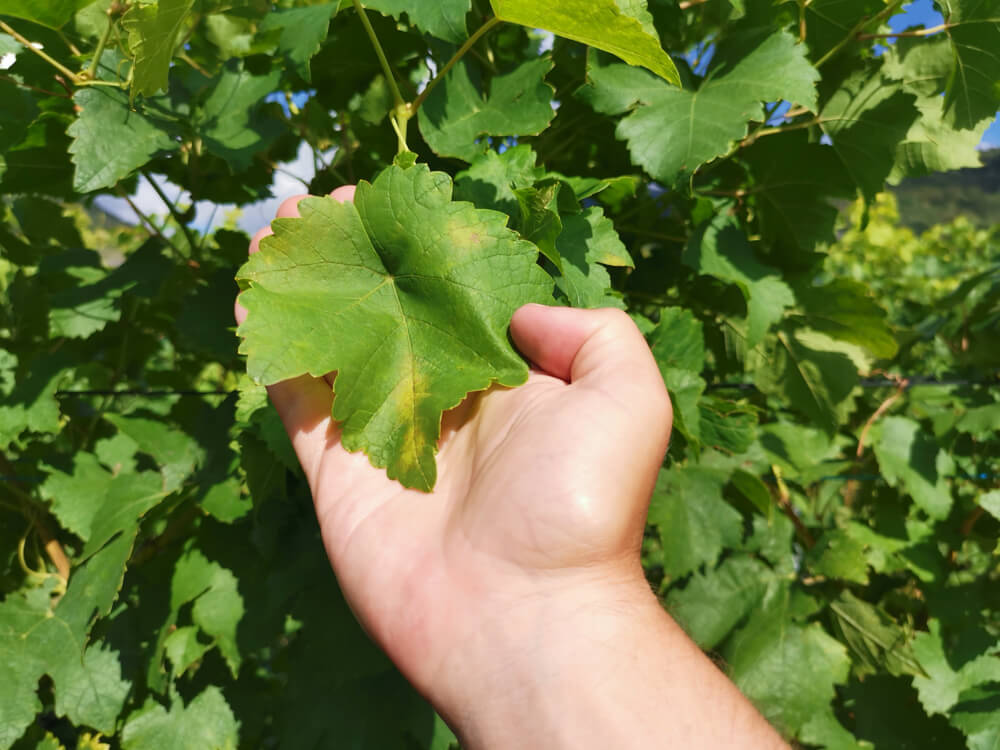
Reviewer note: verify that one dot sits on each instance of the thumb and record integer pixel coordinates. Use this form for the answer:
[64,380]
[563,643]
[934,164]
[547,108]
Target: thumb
[602,349]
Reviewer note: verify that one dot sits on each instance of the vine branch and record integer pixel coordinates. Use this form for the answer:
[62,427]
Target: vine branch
[914,33]
[852,485]
[77,79]
[785,503]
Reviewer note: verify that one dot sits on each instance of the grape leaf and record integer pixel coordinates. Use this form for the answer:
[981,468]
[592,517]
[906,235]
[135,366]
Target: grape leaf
[786,669]
[588,242]
[829,22]
[726,425]
[128,498]
[229,121]
[974,31]
[183,648]
[77,497]
[603,24]
[432,284]
[153,32]
[720,249]
[877,643]
[206,722]
[838,554]
[978,717]
[678,345]
[175,452]
[844,309]
[990,502]
[947,677]
[678,342]
[811,377]
[110,139]
[490,181]
[637,9]
[52,13]
[866,118]
[793,180]
[694,520]
[671,131]
[218,606]
[34,641]
[713,603]
[909,458]
[32,404]
[444,19]
[302,31]
[456,116]
[933,145]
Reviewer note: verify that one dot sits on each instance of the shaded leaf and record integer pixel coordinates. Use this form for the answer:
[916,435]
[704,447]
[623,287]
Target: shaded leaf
[457,115]
[444,19]
[206,722]
[844,309]
[813,380]
[713,603]
[490,181]
[672,131]
[110,139]
[302,31]
[229,120]
[153,34]
[52,13]
[720,249]
[877,643]
[693,519]
[947,678]
[910,459]
[786,669]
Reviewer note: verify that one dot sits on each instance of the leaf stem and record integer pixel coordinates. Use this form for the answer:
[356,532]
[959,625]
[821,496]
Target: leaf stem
[466,46]
[28,44]
[390,76]
[91,72]
[173,210]
[916,32]
[761,132]
[401,113]
[784,502]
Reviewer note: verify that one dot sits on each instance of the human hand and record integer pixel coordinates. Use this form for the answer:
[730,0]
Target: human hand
[530,540]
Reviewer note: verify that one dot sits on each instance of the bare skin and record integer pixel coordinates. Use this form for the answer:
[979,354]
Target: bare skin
[512,596]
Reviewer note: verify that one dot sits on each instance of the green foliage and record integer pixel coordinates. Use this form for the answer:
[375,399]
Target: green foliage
[827,518]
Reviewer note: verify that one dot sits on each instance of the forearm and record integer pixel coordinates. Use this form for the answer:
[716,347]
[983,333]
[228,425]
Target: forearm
[599,669]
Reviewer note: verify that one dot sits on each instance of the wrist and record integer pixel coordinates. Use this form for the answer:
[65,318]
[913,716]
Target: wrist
[517,678]
[593,663]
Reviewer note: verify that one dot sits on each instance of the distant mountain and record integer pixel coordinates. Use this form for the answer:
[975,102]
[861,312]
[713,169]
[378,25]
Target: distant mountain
[943,196]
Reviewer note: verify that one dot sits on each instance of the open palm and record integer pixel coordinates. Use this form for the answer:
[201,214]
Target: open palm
[537,486]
